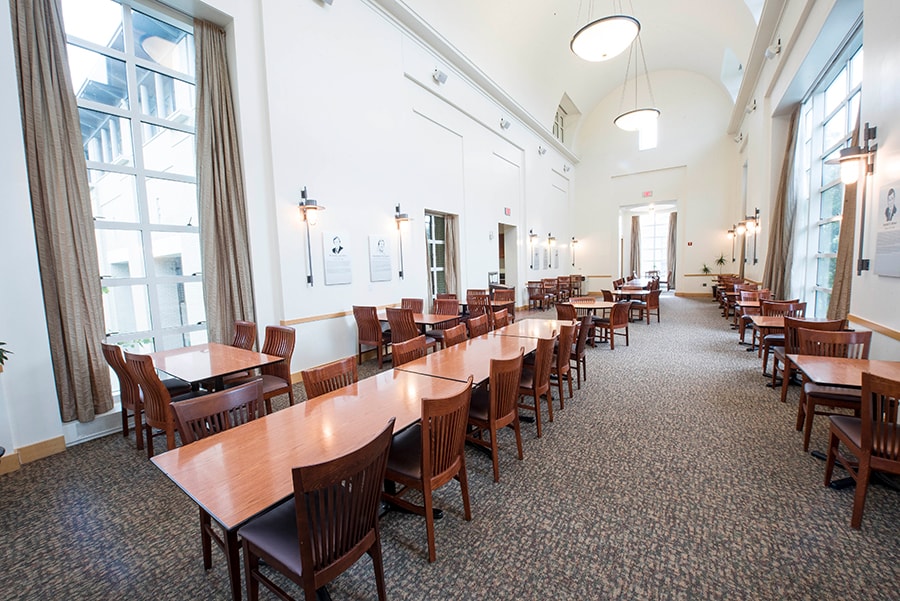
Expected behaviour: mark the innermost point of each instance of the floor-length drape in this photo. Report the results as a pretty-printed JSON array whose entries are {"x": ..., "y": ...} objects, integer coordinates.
[
  {"x": 451, "y": 253},
  {"x": 671, "y": 247},
  {"x": 635, "y": 246},
  {"x": 777, "y": 272},
  {"x": 227, "y": 279},
  {"x": 60, "y": 200},
  {"x": 839, "y": 303}
]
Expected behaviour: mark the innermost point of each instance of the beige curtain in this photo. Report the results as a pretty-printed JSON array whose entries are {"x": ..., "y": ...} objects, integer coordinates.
[
  {"x": 451, "y": 253},
  {"x": 777, "y": 271},
  {"x": 671, "y": 247},
  {"x": 60, "y": 201},
  {"x": 227, "y": 280},
  {"x": 635, "y": 246},
  {"x": 839, "y": 303}
]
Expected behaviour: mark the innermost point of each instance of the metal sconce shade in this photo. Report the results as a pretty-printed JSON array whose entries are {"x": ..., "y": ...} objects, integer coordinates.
[
  {"x": 605, "y": 38},
  {"x": 400, "y": 218},
  {"x": 531, "y": 237},
  {"x": 849, "y": 157},
  {"x": 309, "y": 208},
  {"x": 574, "y": 242}
]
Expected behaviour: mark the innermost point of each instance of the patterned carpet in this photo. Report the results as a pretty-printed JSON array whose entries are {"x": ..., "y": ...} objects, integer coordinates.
[{"x": 674, "y": 473}]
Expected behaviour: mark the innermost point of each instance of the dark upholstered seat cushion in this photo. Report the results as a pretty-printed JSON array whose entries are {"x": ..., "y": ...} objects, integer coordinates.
[
  {"x": 774, "y": 340},
  {"x": 850, "y": 426},
  {"x": 527, "y": 379},
  {"x": 406, "y": 453},
  {"x": 480, "y": 403},
  {"x": 832, "y": 393},
  {"x": 276, "y": 531},
  {"x": 176, "y": 386},
  {"x": 272, "y": 383}
]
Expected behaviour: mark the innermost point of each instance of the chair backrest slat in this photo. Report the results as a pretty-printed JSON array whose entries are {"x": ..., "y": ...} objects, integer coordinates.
[
  {"x": 212, "y": 413},
  {"x": 852, "y": 345},
  {"x": 280, "y": 342},
  {"x": 409, "y": 350},
  {"x": 403, "y": 324},
  {"x": 329, "y": 377},
  {"x": 880, "y": 433}
]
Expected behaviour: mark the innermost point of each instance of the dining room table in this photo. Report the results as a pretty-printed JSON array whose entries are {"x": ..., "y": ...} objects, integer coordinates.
[
  {"x": 424, "y": 320},
  {"x": 241, "y": 472},
  {"x": 209, "y": 362},
  {"x": 592, "y": 306},
  {"x": 471, "y": 357}
]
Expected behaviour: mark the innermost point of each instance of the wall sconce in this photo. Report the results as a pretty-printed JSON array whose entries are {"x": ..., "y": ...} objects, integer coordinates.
[
  {"x": 850, "y": 160},
  {"x": 551, "y": 241},
  {"x": 439, "y": 76},
  {"x": 739, "y": 138},
  {"x": 504, "y": 124},
  {"x": 400, "y": 218},
  {"x": 773, "y": 50},
  {"x": 531, "y": 238},
  {"x": 574, "y": 242},
  {"x": 731, "y": 236},
  {"x": 751, "y": 106},
  {"x": 749, "y": 225},
  {"x": 309, "y": 208},
  {"x": 542, "y": 151}
]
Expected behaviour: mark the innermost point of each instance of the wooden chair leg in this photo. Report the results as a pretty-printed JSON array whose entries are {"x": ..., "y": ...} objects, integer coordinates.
[
  {"x": 429, "y": 523},
  {"x": 832, "y": 456},
  {"x": 494, "y": 455},
  {"x": 464, "y": 489},
  {"x": 859, "y": 499},
  {"x": 378, "y": 565}
]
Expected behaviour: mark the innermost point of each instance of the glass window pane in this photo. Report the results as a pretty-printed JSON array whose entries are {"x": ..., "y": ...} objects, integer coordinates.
[
  {"x": 836, "y": 93},
  {"x": 831, "y": 173},
  {"x": 168, "y": 150},
  {"x": 822, "y": 300},
  {"x": 853, "y": 112},
  {"x": 180, "y": 304},
  {"x": 138, "y": 345},
  {"x": 126, "y": 309},
  {"x": 175, "y": 253},
  {"x": 856, "y": 69},
  {"x": 835, "y": 129},
  {"x": 828, "y": 236},
  {"x": 165, "y": 97},
  {"x": 172, "y": 341},
  {"x": 172, "y": 203},
  {"x": 98, "y": 78},
  {"x": 97, "y": 21},
  {"x": 832, "y": 202},
  {"x": 121, "y": 253},
  {"x": 113, "y": 196},
  {"x": 106, "y": 138},
  {"x": 163, "y": 44},
  {"x": 825, "y": 271}
]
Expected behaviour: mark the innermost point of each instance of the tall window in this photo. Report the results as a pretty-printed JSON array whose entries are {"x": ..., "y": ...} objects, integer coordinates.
[
  {"x": 435, "y": 239},
  {"x": 828, "y": 119},
  {"x": 133, "y": 73},
  {"x": 654, "y": 242},
  {"x": 559, "y": 124}
]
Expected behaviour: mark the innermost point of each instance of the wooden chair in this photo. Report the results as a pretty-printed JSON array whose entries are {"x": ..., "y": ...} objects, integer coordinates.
[
  {"x": 535, "y": 381},
  {"x": 130, "y": 396},
  {"x": 559, "y": 366},
  {"x": 478, "y": 326},
  {"x": 501, "y": 319},
  {"x": 276, "y": 378},
  {"x": 647, "y": 307},
  {"x": 430, "y": 454},
  {"x": 369, "y": 334},
  {"x": 244, "y": 335},
  {"x": 608, "y": 295},
  {"x": 507, "y": 296},
  {"x": 873, "y": 439},
  {"x": 535, "y": 295},
  {"x": 416, "y": 305},
  {"x": 792, "y": 347},
  {"x": 329, "y": 377},
  {"x": 566, "y": 312},
  {"x": 775, "y": 308},
  {"x": 496, "y": 408},
  {"x": 444, "y": 306},
  {"x": 207, "y": 415},
  {"x": 478, "y": 305},
  {"x": 578, "y": 356},
  {"x": 853, "y": 345},
  {"x": 455, "y": 335},
  {"x": 327, "y": 525},
  {"x": 609, "y": 327},
  {"x": 446, "y": 296},
  {"x": 575, "y": 284},
  {"x": 668, "y": 281},
  {"x": 550, "y": 288},
  {"x": 403, "y": 327},
  {"x": 156, "y": 400},
  {"x": 563, "y": 288},
  {"x": 409, "y": 350}
]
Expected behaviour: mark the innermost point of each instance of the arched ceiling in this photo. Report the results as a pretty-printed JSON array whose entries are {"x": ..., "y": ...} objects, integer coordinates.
[{"x": 523, "y": 45}]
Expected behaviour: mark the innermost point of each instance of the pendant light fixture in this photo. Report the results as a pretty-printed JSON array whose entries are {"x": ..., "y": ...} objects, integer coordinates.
[
  {"x": 604, "y": 38},
  {"x": 639, "y": 118}
]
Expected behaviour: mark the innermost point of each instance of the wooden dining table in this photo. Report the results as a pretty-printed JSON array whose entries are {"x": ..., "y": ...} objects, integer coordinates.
[
  {"x": 209, "y": 362},
  {"x": 592, "y": 305},
  {"x": 470, "y": 357},
  {"x": 241, "y": 472},
  {"x": 533, "y": 328},
  {"x": 841, "y": 371}
]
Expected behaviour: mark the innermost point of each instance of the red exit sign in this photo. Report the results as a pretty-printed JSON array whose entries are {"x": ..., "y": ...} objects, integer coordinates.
[
  {"x": 507, "y": 211},
  {"x": 647, "y": 194}
]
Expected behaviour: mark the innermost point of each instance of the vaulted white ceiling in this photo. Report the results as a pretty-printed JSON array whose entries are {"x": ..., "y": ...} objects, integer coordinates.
[{"x": 523, "y": 45}]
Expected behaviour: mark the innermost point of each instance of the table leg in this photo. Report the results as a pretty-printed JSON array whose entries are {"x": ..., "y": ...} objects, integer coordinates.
[{"x": 233, "y": 558}]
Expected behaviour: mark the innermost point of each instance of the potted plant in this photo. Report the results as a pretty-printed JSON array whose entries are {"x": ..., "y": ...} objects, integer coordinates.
[
  {"x": 4, "y": 354},
  {"x": 720, "y": 261},
  {"x": 706, "y": 270}
]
